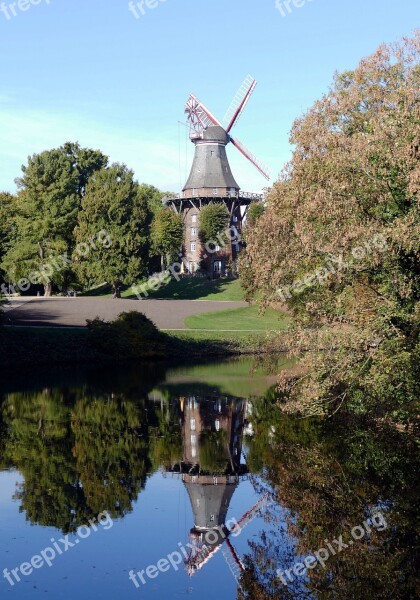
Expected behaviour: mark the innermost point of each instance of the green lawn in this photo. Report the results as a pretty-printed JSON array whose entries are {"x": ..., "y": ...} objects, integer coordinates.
[
  {"x": 184, "y": 289},
  {"x": 240, "y": 320}
]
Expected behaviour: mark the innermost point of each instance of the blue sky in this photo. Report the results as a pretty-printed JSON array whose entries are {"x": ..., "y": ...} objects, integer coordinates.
[{"x": 89, "y": 70}]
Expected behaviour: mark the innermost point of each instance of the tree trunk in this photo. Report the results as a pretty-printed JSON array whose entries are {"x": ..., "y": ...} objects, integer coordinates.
[
  {"x": 117, "y": 292},
  {"x": 48, "y": 289}
]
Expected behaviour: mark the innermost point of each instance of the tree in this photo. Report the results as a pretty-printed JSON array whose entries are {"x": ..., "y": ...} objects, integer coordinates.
[
  {"x": 167, "y": 235},
  {"x": 7, "y": 222},
  {"x": 214, "y": 220},
  {"x": 113, "y": 203},
  {"x": 255, "y": 211},
  {"x": 50, "y": 193},
  {"x": 339, "y": 241},
  {"x": 154, "y": 197}
]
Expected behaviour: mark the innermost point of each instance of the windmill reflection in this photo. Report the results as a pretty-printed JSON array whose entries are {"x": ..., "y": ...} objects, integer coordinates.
[{"x": 211, "y": 469}]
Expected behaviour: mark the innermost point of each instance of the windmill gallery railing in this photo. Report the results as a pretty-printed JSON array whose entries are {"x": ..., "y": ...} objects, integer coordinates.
[{"x": 243, "y": 196}]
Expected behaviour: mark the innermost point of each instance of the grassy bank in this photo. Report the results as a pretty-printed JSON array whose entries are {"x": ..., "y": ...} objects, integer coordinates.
[
  {"x": 225, "y": 333},
  {"x": 184, "y": 289},
  {"x": 32, "y": 347},
  {"x": 247, "y": 319}
]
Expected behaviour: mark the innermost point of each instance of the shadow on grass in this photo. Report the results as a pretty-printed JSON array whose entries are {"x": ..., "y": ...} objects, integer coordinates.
[{"x": 196, "y": 289}]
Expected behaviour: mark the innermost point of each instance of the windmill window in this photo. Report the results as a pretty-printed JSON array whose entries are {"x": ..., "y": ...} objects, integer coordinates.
[
  {"x": 212, "y": 152},
  {"x": 217, "y": 425},
  {"x": 193, "y": 231},
  {"x": 215, "y": 191},
  {"x": 211, "y": 518},
  {"x": 193, "y": 246},
  {"x": 194, "y": 219},
  {"x": 192, "y": 424},
  {"x": 193, "y": 439},
  {"x": 195, "y": 192}
]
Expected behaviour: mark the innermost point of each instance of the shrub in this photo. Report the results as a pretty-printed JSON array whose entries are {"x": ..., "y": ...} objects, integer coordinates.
[{"x": 132, "y": 335}]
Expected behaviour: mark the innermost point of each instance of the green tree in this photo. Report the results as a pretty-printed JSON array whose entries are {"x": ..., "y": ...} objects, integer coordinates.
[
  {"x": 255, "y": 211},
  {"x": 50, "y": 192},
  {"x": 167, "y": 235},
  {"x": 153, "y": 196},
  {"x": 214, "y": 220},
  {"x": 7, "y": 223},
  {"x": 114, "y": 203}
]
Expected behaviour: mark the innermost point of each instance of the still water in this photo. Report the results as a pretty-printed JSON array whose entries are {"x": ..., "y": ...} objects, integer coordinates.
[{"x": 167, "y": 482}]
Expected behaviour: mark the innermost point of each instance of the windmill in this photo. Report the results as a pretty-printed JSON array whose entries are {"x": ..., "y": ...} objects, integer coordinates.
[
  {"x": 201, "y": 120},
  {"x": 211, "y": 180}
]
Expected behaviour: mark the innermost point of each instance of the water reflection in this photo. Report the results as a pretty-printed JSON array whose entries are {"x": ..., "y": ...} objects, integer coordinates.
[
  {"x": 212, "y": 431},
  {"x": 93, "y": 447}
]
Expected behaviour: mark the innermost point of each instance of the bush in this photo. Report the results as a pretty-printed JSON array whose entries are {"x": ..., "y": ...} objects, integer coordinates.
[{"x": 132, "y": 335}]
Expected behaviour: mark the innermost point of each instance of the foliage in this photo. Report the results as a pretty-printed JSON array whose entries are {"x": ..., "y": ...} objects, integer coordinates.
[
  {"x": 214, "y": 451},
  {"x": 326, "y": 479},
  {"x": 79, "y": 456},
  {"x": 114, "y": 203},
  {"x": 255, "y": 211},
  {"x": 50, "y": 191},
  {"x": 353, "y": 180},
  {"x": 153, "y": 197},
  {"x": 131, "y": 336},
  {"x": 7, "y": 223},
  {"x": 167, "y": 235},
  {"x": 214, "y": 219}
]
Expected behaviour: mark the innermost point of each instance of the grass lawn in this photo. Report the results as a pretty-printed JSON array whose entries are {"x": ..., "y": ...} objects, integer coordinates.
[
  {"x": 184, "y": 289},
  {"x": 239, "y": 320}
]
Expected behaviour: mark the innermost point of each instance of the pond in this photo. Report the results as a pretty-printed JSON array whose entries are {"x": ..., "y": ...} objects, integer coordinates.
[{"x": 164, "y": 481}]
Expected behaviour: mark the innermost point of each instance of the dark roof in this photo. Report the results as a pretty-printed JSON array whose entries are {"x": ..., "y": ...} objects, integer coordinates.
[
  {"x": 210, "y": 500},
  {"x": 210, "y": 168}
]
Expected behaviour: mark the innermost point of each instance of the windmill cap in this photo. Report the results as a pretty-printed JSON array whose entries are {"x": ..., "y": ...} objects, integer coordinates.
[{"x": 215, "y": 134}]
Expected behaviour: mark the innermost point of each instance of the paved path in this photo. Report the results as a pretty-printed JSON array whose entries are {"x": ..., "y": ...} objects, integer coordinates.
[{"x": 73, "y": 312}]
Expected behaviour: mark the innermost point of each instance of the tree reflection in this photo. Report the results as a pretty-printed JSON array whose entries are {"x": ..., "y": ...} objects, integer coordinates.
[
  {"x": 79, "y": 455},
  {"x": 326, "y": 480},
  {"x": 111, "y": 452}
]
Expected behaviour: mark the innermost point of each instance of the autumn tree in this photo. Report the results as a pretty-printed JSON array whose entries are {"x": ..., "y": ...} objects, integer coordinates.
[
  {"x": 339, "y": 241},
  {"x": 113, "y": 203}
]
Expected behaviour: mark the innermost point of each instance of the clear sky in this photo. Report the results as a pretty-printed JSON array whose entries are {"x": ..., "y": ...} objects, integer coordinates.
[{"x": 89, "y": 70}]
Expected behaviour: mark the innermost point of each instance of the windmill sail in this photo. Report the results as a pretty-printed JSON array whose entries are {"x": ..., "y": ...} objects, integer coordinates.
[
  {"x": 251, "y": 157},
  {"x": 239, "y": 102}
]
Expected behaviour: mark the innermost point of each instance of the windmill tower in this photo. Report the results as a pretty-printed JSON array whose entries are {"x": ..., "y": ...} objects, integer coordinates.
[{"x": 211, "y": 181}]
